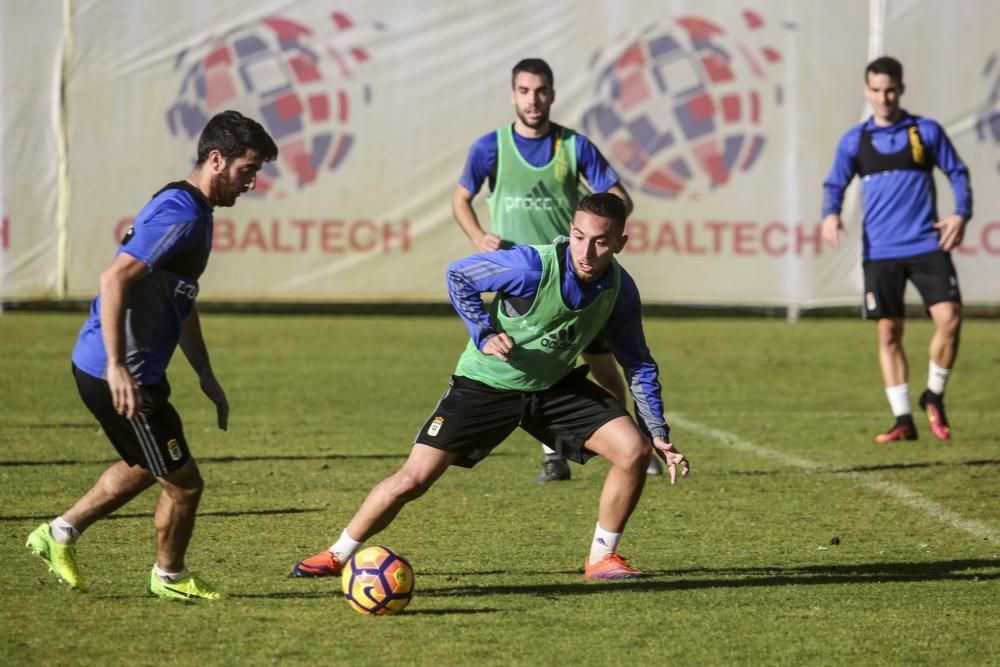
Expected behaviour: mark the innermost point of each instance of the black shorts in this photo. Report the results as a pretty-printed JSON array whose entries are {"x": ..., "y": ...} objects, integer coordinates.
[
  {"x": 932, "y": 273},
  {"x": 153, "y": 438},
  {"x": 472, "y": 418}
]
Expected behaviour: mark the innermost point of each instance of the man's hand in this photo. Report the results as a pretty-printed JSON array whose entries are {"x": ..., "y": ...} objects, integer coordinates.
[
  {"x": 124, "y": 390},
  {"x": 488, "y": 242},
  {"x": 500, "y": 346},
  {"x": 950, "y": 230},
  {"x": 673, "y": 458},
  {"x": 830, "y": 229},
  {"x": 214, "y": 391}
]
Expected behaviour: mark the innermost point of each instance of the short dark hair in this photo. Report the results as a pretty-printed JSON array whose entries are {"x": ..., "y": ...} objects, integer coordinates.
[
  {"x": 533, "y": 66},
  {"x": 885, "y": 65},
  {"x": 606, "y": 205},
  {"x": 231, "y": 133}
]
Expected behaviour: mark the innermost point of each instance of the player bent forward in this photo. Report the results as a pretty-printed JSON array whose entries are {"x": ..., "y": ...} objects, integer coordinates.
[
  {"x": 144, "y": 311},
  {"x": 518, "y": 370}
]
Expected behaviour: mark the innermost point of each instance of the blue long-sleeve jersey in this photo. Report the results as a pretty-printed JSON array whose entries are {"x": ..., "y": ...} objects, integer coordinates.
[
  {"x": 899, "y": 206},
  {"x": 517, "y": 273},
  {"x": 537, "y": 151}
]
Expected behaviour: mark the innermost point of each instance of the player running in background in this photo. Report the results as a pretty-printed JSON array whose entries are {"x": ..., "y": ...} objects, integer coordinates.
[
  {"x": 145, "y": 309},
  {"x": 518, "y": 370},
  {"x": 895, "y": 153},
  {"x": 533, "y": 168}
]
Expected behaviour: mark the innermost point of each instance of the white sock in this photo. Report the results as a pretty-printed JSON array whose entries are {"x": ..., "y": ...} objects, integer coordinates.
[
  {"x": 604, "y": 544},
  {"x": 548, "y": 451},
  {"x": 62, "y": 532},
  {"x": 899, "y": 399},
  {"x": 937, "y": 378},
  {"x": 345, "y": 547},
  {"x": 169, "y": 577}
]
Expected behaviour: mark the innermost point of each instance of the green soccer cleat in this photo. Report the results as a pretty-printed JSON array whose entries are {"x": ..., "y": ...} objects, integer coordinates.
[
  {"x": 189, "y": 589},
  {"x": 61, "y": 558}
]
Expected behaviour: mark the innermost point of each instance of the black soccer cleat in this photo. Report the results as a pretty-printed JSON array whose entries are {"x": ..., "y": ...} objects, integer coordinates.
[{"x": 554, "y": 469}]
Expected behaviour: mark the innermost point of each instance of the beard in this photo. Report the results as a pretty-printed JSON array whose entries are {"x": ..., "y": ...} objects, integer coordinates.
[
  {"x": 225, "y": 190},
  {"x": 542, "y": 119}
]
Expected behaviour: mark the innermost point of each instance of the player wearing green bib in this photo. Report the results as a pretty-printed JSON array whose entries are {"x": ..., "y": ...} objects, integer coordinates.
[
  {"x": 519, "y": 371},
  {"x": 550, "y": 334},
  {"x": 536, "y": 171}
]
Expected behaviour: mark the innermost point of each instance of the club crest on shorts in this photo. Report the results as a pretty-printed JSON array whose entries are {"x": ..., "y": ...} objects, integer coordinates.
[
  {"x": 174, "y": 450},
  {"x": 435, "y": 426},
  {"x": 870, "y": 300}
]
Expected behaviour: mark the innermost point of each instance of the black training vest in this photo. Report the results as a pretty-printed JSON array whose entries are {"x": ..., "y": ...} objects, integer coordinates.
[
  {"x": 191, "y": 263},
  {"x": 913, "y": 156}
]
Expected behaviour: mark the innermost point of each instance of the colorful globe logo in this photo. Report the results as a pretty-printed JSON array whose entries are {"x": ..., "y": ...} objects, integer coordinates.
[
  {"x": 679, "y": 107},
  {"x": 302, "y": 87},
  {"x": 988, "y": 120}
]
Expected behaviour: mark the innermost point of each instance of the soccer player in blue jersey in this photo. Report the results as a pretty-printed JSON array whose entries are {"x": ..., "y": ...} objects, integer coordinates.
[
  {"x": 534, "y": 170},
  {"x": 144, "y": 310},
  {"x": 894, "y": 153},
  {"x": 518, "y": 370}
]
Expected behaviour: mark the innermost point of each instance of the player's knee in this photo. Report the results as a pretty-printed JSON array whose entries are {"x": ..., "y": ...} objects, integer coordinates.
[
  {"x": 634, "y": 455},
  {"x": 407, "y": 486},
  {"x": 188, "y": 495},
  {"x": 950, "y": 323},
  {"x": 890, "y": 336},
  {"x": 185, "y": 485}
]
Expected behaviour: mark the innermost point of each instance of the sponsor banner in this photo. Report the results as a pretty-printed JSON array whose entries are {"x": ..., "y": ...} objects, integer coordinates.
[
  {"x": 31, "y": 50},
  {"x": 720, "y": 117}
]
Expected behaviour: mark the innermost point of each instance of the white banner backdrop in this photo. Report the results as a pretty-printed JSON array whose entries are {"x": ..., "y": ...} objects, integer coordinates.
[
  {"x": 721, "y": 118},
  {"x": 31, "y": 59},
  {"x": 950, "y": 54}
]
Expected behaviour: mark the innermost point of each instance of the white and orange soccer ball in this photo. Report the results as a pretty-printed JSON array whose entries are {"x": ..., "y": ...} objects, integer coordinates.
[{"x": 377, "y": 581}]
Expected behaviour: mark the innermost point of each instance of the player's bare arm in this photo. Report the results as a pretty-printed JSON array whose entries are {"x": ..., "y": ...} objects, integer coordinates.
[
  {"x": 673, "y": 458},
  {"x": 830, "y": 229},
  {"x": 465, "y": 216},
  {"x": 192, "y": 343},
  {"x": 115, "y": 282},
  {"x": 951, "y": 230}
]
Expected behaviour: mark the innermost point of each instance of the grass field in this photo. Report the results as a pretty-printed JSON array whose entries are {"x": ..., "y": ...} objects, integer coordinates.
[{"x": 796, "y": 540}]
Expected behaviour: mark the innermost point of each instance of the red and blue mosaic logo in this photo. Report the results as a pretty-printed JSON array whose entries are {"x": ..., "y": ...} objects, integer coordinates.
[
  {"x": 679, "y": 107},
  {"x": 988, "y": 120},
  {"x": 301, "y": 83}
]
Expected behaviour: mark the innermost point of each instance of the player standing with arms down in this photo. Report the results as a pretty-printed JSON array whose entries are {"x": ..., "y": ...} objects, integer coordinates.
[
  {"x": 895, "y": 153},
  {"x": 518, "y": 370},
  {"x": 145, "y": 309},
  {"x": 533, "y": 168}
]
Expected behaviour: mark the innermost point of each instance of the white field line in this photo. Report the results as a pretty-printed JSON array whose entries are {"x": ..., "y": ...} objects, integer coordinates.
[{"x": 898, "y": 492}]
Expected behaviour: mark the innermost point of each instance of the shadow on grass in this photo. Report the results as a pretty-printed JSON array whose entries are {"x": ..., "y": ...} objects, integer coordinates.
[
  {"x": 310, "y": 595},
  {"x": 932, "y": 464},
  {"x": 149, "y": 515},
  {"x": 397, "y": 456},
  {"x": 700, "y": 578},
  {"x": 51, "y": 425}
]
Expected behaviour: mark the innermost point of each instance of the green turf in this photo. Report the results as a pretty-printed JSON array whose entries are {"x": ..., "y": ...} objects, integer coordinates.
[{"x": 793, "y": 541}]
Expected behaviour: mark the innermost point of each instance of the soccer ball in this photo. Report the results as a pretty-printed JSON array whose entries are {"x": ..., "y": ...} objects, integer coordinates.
[{"x": 377, "y": 581}]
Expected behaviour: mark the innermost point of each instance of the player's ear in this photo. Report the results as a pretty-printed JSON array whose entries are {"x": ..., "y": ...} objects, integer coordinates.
[
  {"x": 622, "y": 240},
  {"x": 217, "y": 161}
]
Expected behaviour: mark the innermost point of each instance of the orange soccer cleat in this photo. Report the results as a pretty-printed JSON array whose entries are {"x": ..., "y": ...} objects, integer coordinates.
[
  {"x": 610, "y": 567},
  {"x": 933, "y": 405},
  {"x": 903, "y": 429},
  {"x": 323, "y": 564}
]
